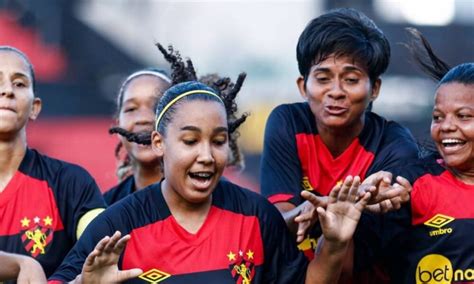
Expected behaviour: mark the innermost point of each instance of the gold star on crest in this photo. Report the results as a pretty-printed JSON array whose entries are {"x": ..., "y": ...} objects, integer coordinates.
[
  {"x": 249, "y": 254},
  {"x": 231, "y": 256},
  {"x": 48, "y": 221},
  {"x": 25, "y": 222}
]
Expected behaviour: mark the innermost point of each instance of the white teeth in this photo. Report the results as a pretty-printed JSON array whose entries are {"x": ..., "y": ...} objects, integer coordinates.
[
  {"x": 203, "y": 175},
  {"x": 451, "y": 141}
]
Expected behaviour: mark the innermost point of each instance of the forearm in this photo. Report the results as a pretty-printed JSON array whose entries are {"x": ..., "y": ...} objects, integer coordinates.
[
  {"x": 10, "y": 265},
  {"x": 327, "y": 266},
  {"x": 289, "y": 213}
]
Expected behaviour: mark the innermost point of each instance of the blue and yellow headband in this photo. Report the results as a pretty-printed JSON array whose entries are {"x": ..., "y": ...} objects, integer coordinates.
[{"x": 173, "y": 101}]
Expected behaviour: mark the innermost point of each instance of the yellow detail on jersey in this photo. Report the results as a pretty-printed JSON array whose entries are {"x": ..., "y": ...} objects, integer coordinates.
[
  {"x": 306, "y": 184},
  {"x": 39, "y": 238},
  {"x": 154, "y": 276},
  {"x": 48, "y": 221},
  {"x": 243, "y": 271},
  {"x": 25, "y": 222},
  {"x": 231, "y": 256},
  {"x": 86, "y": 219}
]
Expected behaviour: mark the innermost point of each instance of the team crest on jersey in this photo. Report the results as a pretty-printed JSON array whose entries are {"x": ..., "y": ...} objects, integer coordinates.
[
  {"x": 36, "y": 234},
  {"x": 439, "y": 221},
  {"x": 242, "y": 266}
]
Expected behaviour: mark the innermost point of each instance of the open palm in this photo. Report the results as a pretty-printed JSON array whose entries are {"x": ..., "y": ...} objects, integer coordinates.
[
  {"x": 101, "y": 264},
  {"x": 339, "y": 219}
]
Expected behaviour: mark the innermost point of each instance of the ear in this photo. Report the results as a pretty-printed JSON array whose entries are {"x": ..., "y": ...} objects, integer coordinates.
[
  {"x": 301, "y": 87},
  {"x": 157, "y": 144},
  {"x": 35, "y": 108},
  {"x": 375, "y": 89}
]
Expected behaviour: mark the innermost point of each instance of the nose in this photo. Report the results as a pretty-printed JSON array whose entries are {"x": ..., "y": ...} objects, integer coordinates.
[
  {"x": 146, "y": 117},
  {"x": 448, "y": 124},
  {"x": 205, "y": 154},
  {"x": 336, "y": 92},
  {"x": 6, "y": 90}
]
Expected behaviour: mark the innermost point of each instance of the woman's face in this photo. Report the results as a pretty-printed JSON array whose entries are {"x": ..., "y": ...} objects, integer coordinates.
[
  {"x": 338, "y": 91},
  {"x": 137, "y": 114},
  {"x": 452, "y": 126},
  {"x": 17, "y": 101},
  {"x": 194, "y": 149}
]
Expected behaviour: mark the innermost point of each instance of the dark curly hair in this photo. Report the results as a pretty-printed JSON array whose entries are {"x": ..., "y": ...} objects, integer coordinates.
[{"x": 184, "y": 79}]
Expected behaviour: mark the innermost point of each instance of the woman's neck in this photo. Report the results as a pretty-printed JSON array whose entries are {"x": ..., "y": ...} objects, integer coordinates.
[
  {"x": 11, "y": 155},
  {"x": 145, "y": 175},
  {"x": 466, "y": 176},
  {"x": 190, "y": 216},
  {"x": 338, "y": 140}
]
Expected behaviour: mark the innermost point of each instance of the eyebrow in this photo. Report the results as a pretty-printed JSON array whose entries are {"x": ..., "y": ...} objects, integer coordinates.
[
  {"x": 197, "y": 129},
  {"x": 345, "y": 69}
]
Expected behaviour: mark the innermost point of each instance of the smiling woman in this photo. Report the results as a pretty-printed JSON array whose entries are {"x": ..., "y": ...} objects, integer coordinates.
[{"x": 432, "y": 239}]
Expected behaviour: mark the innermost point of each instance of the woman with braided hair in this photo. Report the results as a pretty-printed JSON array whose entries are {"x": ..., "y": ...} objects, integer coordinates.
[
  {"x": 194, "y": 226},
  {"x": 139, "y": 166}
]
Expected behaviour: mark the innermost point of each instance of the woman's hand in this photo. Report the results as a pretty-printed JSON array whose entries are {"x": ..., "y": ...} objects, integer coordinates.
[{"x": 101, "y": 264}]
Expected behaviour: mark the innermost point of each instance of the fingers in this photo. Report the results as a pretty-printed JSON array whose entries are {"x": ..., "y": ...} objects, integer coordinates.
[
  {"x": 362, "y": 203},
  {"x": 353, "y": 191},
  {"x": 121, "y": 244},
  {"x": 125, "y": 275},
  {"x": 110, "y": 245},
  {"x": 99, "y": 248},
  {"x": 314, "y": 199},
  {"x": 301, "y": 232},
  {"x": 404, "y": 182},
  {"x": 343, "y": 190}
]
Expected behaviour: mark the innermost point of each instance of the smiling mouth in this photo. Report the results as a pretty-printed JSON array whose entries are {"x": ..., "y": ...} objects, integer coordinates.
[{"x": 452, "y": 143}]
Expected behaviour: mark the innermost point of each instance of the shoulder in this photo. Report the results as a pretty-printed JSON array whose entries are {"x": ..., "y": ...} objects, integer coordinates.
[
  {"x": 235, "y": 198},
  {"x": 121, "y": 190},
  {"x": 295, "y": 117},
  {"x": 391, "y": 129},
  {"x": 293, "y": 110},
  {"x": 46, "y": 168}
]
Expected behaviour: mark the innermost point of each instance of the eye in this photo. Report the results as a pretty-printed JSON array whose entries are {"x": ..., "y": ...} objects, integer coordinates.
[
  {"x": 19, "y": 84},
  {"x": 352, "y": 80},
  {"x": 436, "y": 117},
  {"x": 189, "y": 142},
  {"x": 322, "y": 79},
  {"x": 129, "y": 109},
  {"x": 220, "y": 142},
  {"x": 464, "y": 116}
]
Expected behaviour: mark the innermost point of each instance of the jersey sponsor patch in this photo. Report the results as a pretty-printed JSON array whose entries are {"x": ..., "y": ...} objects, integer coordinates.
[
  {"x": 154, "y": 276},
  {"x": 436, "y": 268},
  {"x": 439, "y": 221}
]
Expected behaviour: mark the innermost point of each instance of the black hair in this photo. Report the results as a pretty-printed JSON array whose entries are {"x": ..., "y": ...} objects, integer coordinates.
[
  {"x": 343, "y": 32},
  {"x": 30, "y": 66},
  {"x": 124, "y": 161},
  {"x": 184, "y": 79},
  {"x": 434, "y": 66}
]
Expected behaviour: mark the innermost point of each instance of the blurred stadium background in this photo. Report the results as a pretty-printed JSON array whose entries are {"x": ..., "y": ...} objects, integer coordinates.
[{"x": 83, "y": 49}]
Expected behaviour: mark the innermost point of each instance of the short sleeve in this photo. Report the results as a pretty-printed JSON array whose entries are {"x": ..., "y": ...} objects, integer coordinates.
[
  {"x": 280, "y": 166},
  {"x": 77, "y": 193},
  {"x": 284, "y": 263},
  {"x": 72, "y": 264}
]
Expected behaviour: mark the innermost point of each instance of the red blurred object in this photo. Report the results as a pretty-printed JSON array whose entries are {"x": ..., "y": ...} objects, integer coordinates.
[
  {"x": 82, "y": 141},
  {"x": 49, "y": 61}
]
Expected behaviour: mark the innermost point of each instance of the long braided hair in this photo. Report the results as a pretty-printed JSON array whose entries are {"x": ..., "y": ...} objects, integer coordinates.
[{"x": 183, "y": 71}]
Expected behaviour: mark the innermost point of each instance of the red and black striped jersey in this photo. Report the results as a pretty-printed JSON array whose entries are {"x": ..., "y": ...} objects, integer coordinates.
[
  {"x": 295, "y": 158},
  {"x": 431, "y": 241},
  {"x": 243, "y": 240},
  {"x": 41, "y": 207}
]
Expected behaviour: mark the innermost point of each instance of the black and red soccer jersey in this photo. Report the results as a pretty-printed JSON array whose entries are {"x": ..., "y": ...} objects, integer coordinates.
[
  {"x": 295, "y": 158},
  {"x": 432, "y": 240},
  {"x": 243, "y": 240},
  {"x": 121, "y": 190},
  {"x": 40, "y": 208}
]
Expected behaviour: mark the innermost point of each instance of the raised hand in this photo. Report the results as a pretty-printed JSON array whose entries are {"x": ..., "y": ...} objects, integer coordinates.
[
  {"x": 339, "y": 219},
  {"x": 384, "y": 196},
  {"x": 308, "y": 214},
  {"x": 101, "y": 264}
]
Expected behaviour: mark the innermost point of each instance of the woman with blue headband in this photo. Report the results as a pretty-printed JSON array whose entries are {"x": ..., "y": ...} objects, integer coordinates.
[{"x": 194, "y": 227}]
